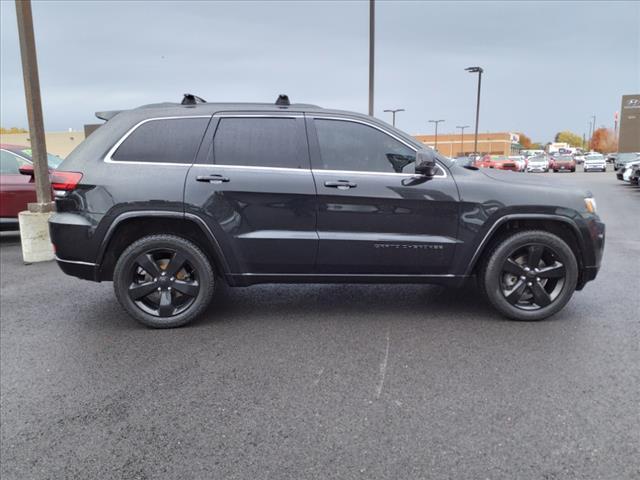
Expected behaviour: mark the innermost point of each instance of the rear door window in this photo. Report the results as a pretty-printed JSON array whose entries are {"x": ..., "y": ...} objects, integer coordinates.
[
  {"x": 168, "y": 140},
  {"x": 260, "y": 142}
]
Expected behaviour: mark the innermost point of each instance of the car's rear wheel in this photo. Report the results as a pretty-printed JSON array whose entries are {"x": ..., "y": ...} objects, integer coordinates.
[
  {"x": 163, "y": 281},
  {"x": 530, "y": 275}
]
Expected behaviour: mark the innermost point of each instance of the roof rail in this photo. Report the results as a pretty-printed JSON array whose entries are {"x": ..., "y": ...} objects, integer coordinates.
[{"x": 191, "y": 99}]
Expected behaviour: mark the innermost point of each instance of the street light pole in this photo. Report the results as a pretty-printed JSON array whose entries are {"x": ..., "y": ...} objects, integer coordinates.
[
  {"x": 479, "y": 71},
  {"x": 372, "y": 26},
  {"x": 34, "y": 108},
  {"x": 462, "y": 127},
  {"x": 436, "y": 123},
  {"x": 393, "y": 113}
]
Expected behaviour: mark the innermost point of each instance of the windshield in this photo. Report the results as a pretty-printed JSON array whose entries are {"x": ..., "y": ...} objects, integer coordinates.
[
  {"x": 537, "y": 159},
  {"x": 565, "y": 158},
  {"x": 595, "y": 157},
  {"x": 627, "y": 157}
]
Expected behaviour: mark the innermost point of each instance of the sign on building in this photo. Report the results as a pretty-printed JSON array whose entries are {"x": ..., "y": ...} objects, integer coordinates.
[{"x": 629, "y": 140}]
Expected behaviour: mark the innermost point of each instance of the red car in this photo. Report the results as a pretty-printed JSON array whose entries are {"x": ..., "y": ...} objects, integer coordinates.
[
  {"x": 564, "y": 163},
  {"x": 17, "y": 189},
  {"x": 499, "y": 162}
]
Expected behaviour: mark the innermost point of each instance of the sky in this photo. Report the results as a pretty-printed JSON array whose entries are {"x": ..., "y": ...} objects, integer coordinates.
[{"x": 548, "y": 66}]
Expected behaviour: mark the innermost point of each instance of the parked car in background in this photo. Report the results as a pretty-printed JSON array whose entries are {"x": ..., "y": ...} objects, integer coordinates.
[
  {"x": 579, "y": 158},
  {"x": 520, "y": 162},
  {"x": 16, "y": 182},
  {"x": 483, "y": 162},
  {"x": 502, "y": 162},
  {"x": 563, "y": 163},
  {"x": 611, "y": 157},
  {"x": 635, "y": 175},
  {"x": 628, "y": 170},
  {"x": 286, "y": 193},
  {"x": 538, "y": 164},
  {"x": 622, "y": 160},
  {"x": 594, "y": 162}
]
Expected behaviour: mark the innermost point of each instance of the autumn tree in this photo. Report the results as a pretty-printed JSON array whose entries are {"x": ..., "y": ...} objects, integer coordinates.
[
  {"x": 569, "y": 137},
  {"x": 604, "y": 140},
  {"x": 524, "y": 141}
]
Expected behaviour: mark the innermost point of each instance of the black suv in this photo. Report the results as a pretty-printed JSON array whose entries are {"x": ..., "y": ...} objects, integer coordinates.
[{"x": 166, "y": 200}]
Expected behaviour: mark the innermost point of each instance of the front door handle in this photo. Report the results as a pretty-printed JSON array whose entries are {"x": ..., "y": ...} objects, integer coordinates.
[
  {"x": 214, "y": 178},
  {"x": 341, "y": 184}
]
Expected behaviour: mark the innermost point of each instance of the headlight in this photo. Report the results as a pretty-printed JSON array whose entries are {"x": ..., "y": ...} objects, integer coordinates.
[{"x": 590, "y": 203}]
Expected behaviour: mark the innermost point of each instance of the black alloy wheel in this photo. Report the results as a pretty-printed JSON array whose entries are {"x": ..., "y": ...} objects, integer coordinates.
[
  {"x": 529, "y": 275},
  {"x": 163, "y": 281},
  {"x": 532, "y": 277}
]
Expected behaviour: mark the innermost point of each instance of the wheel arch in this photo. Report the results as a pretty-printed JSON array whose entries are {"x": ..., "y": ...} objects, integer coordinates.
[
  {"x": 563, "y": 227},
  {"x": 131, "y": 226}
]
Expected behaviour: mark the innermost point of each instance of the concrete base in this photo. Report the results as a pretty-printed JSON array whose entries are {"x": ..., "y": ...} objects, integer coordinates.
[{"x": 34, "y": 235}]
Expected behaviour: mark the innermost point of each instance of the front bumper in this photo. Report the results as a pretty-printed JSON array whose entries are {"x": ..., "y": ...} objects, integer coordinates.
[{"x": 596, "y": 238}]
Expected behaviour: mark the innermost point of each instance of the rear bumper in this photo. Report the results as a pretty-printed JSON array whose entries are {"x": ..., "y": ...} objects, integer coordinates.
[
  {"x": 72, "y": 238},
  {"x": 84, "y": 270}
]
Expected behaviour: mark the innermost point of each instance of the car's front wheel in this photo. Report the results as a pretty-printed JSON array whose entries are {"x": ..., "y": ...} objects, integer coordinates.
[
  {"x": 163, "y": 281},
  {"x": 530, "y": 275}
]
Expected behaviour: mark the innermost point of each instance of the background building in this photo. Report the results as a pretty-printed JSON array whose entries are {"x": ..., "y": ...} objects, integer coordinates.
[
  {"x": 454, "y": 145},
  {"x": 58, "y": 143}
]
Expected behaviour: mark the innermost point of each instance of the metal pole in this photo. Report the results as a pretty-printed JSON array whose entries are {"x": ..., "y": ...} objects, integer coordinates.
[
  {"x": 372, "y": 26},
  {"x": 462, "y": 127},
  {"x": 34, "y": 107},
  {"x": 475, "y": 142},
  {"x": 393, "y": 114},
  {"x": 436, "y": 122}
]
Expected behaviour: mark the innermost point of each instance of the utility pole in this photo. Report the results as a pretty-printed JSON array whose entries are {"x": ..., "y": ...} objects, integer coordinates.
[
  {"x": 34, "y": 226},
  {"x": 34, "y": 107},
  {"x": 479, "y": 71},
  {"x": 462, "y": 127},
  {"x": 372, "y": 38},
  {"x": 436, "y": 123},
  {"x": 393, "y": 113}
]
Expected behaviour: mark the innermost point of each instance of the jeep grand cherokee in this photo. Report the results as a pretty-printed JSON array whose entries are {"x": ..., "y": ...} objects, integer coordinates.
[{"x": 167, "y": 200}]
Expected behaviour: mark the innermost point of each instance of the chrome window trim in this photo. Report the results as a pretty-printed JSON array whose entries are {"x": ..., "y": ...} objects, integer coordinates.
[
  {"x": 357, "y": 172},
  {"x": 251, "y": 167},
  {"x": 377, "y": 127},
  {"x": 256, "y": 115},
  {"x": 112, "y": 150}
]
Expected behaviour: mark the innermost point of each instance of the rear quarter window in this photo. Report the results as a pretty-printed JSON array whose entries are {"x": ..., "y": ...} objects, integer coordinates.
[{"x": 171, "y": 140}]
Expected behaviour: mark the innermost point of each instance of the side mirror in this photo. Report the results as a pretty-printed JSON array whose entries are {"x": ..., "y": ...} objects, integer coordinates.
[
  {"x": 426, "y": 162},
  {"x": 26, "y": 170}
]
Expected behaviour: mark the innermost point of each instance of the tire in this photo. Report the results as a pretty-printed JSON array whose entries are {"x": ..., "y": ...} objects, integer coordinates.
[
  {"x": 163, "y": 281},
  {"x": 573, "y": 170},
  {"x": 497, "y": 284}
]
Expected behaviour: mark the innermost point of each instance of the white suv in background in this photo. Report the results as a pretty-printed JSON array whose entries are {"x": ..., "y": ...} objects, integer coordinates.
[
  {"x": 595, "y": 161},
  {"x": 538, "y": 164}
]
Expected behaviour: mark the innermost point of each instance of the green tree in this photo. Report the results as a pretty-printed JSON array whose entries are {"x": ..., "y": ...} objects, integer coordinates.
[{"x": 569, "y": 137}]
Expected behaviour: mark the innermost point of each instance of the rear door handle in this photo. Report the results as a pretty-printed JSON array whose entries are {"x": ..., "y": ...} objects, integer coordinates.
[
  {"x": 214, "y": 178},
  {"x": 341, "y": 184}
]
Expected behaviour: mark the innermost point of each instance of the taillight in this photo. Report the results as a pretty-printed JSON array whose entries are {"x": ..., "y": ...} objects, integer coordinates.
[{"x": 65, "y": 181}]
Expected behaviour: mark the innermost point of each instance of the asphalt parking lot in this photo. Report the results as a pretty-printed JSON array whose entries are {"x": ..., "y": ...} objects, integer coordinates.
[{"x": 323, "y": 381}]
